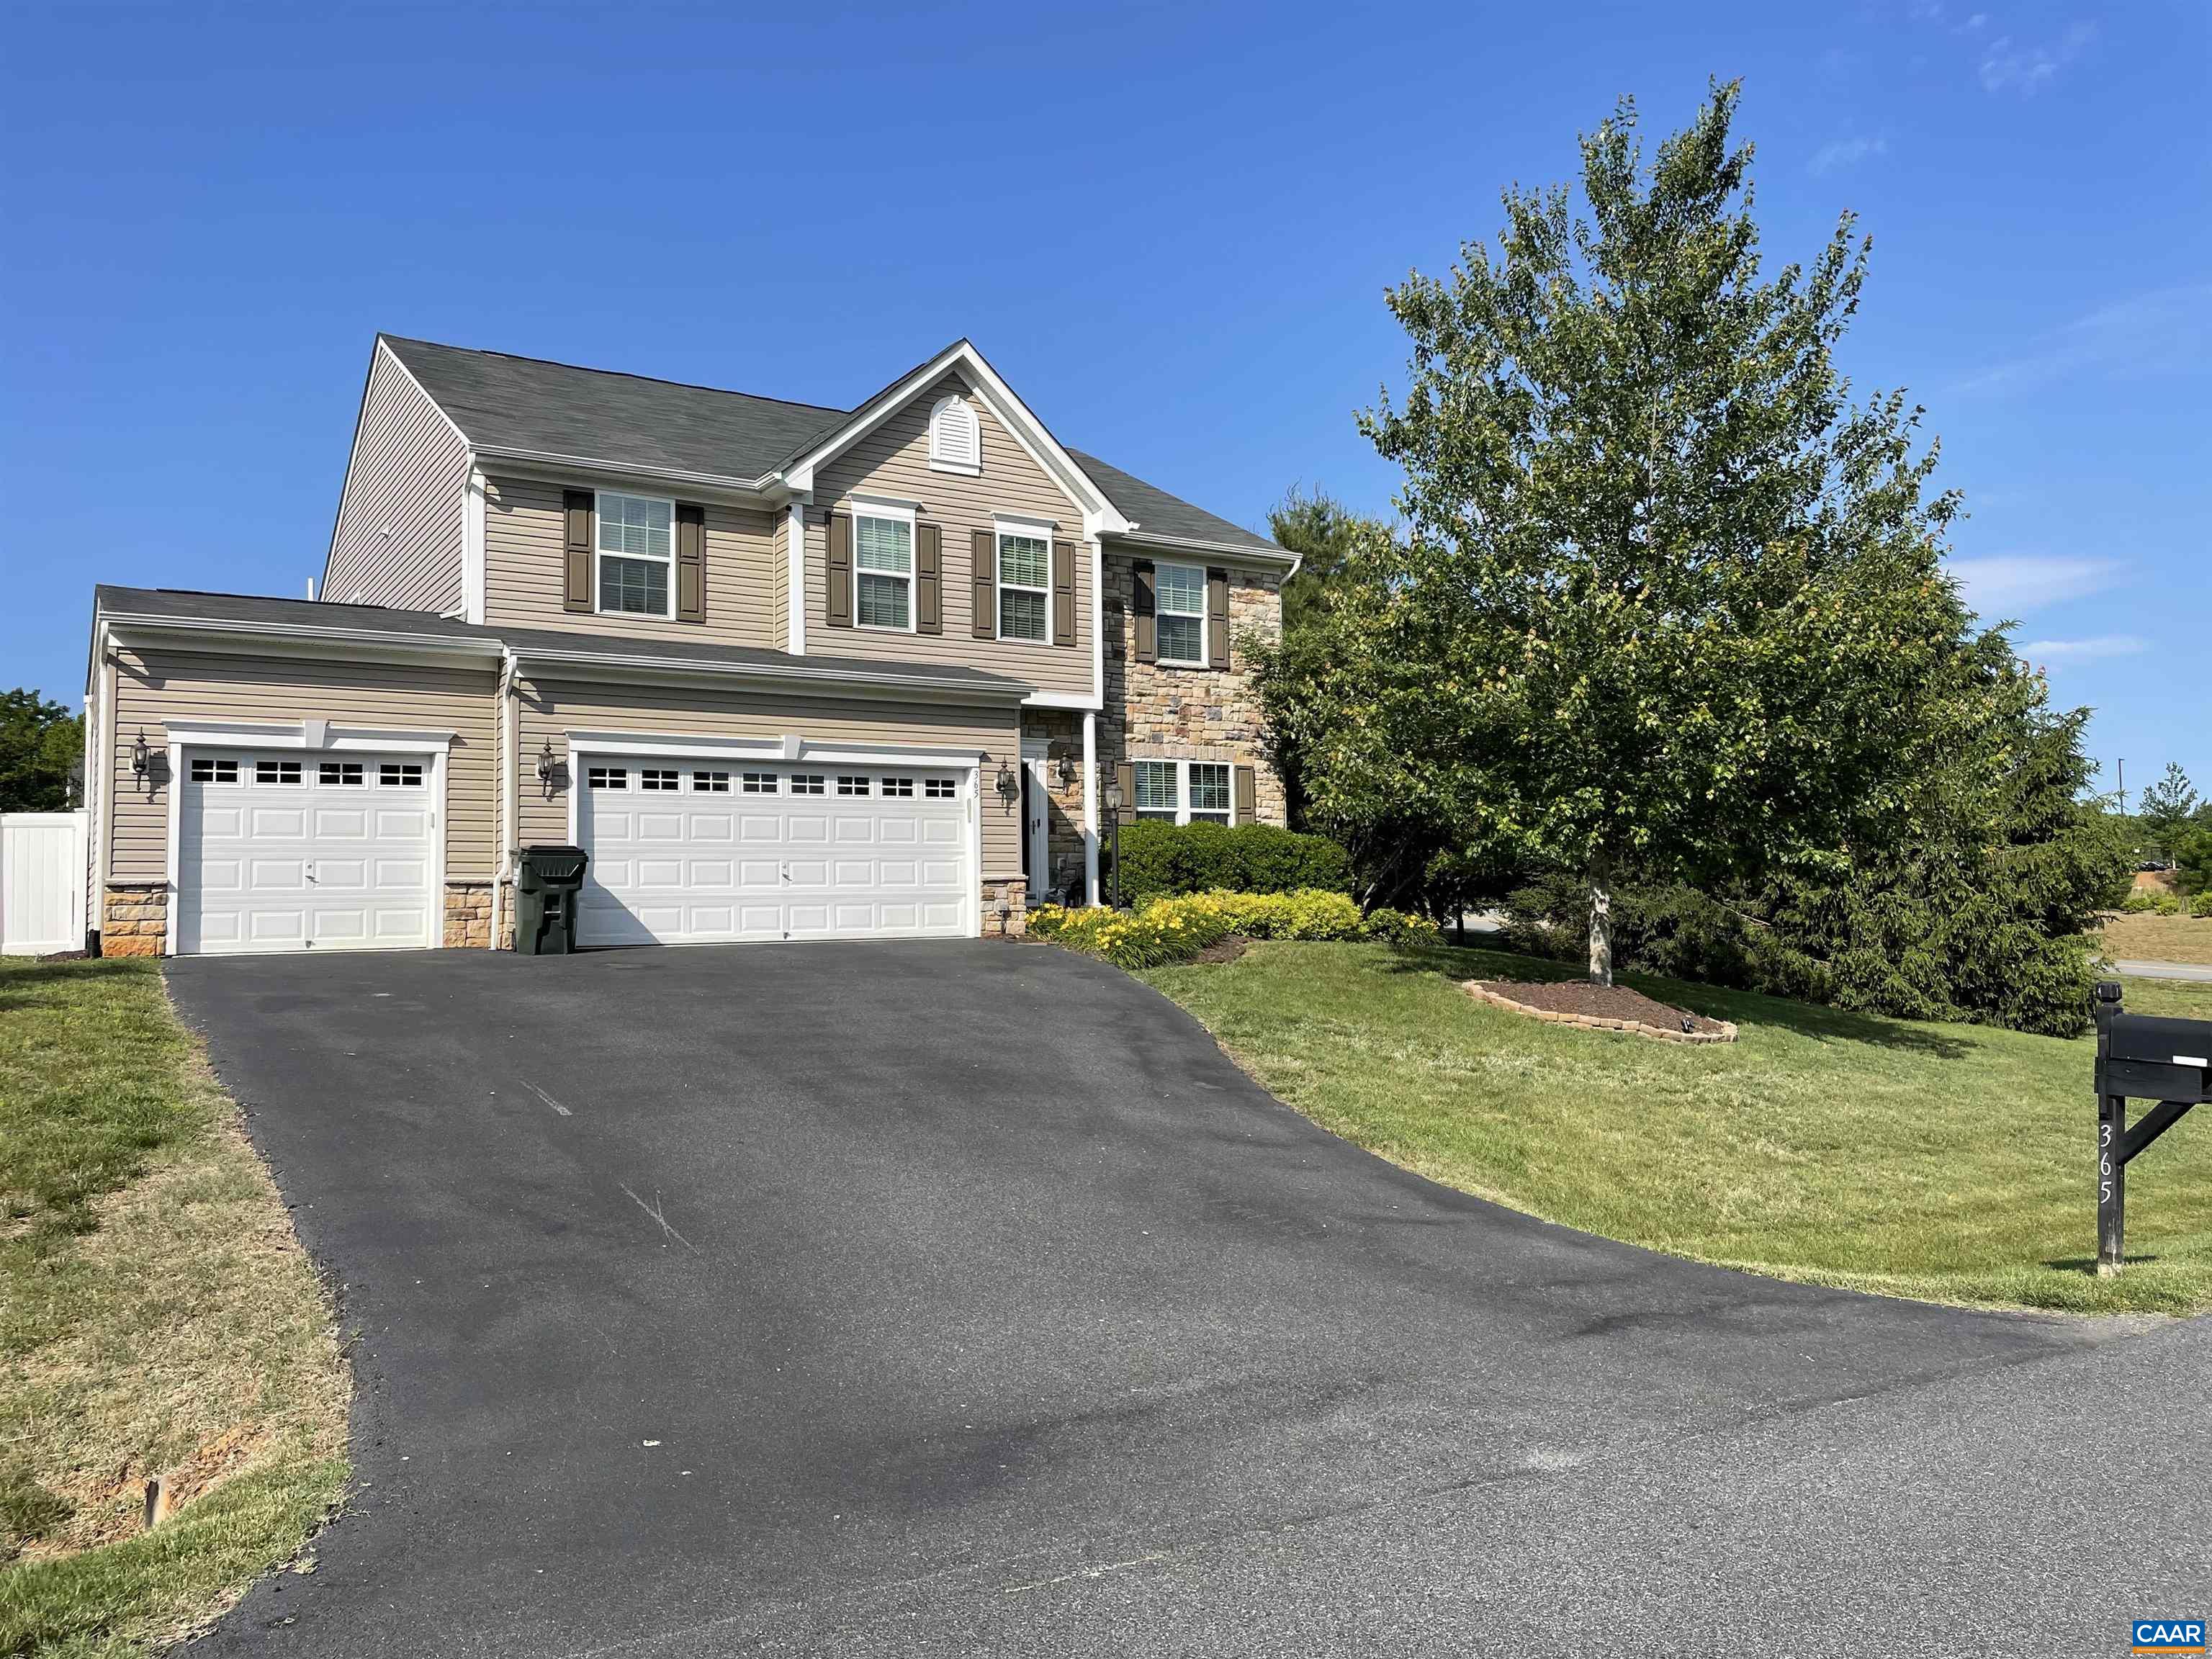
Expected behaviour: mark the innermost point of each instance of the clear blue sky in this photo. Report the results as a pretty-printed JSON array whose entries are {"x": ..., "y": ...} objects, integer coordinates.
[{"x": 1171, "y": 228}]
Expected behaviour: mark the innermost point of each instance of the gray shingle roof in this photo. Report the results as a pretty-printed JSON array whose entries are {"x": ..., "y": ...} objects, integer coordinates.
[
  {"x": 181, "y": 604},
  {"x": 556, "y": 408},
  {"x": 524, "y": 402},
  {"x": 1156, "y": 512}
]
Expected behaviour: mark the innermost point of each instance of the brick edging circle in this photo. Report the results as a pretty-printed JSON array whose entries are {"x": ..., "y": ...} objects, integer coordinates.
[{"x": 1476, "y": 988}]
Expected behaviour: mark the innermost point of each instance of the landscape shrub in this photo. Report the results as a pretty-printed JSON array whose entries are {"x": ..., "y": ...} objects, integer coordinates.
[
  {"x": 1159, "y": 859},
  {"x": 1396, "y": 927},
  {"x": 1175, "y": 929},
  {"x": 2138, "y": 903}
]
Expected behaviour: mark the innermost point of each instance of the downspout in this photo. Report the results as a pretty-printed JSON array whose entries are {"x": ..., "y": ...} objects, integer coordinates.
[{"x": 507, "y": 805}]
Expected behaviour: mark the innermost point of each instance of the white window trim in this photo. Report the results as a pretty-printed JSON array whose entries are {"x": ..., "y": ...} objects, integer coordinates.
[
  {"x": 898, "y": 513},
  {"x": 940, "y": 464},
  {"x": 1182, "y": 789},
  {"x": 1159, "y": 610},
  {"x": 1003, "y": 525},
  {"x": 598, "y": 515}
]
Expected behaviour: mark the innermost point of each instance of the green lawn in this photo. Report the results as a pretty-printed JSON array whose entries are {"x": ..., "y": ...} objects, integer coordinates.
[
  {"x": 1947, "y": 1162},
  {"x": 157, "y": 1317}
]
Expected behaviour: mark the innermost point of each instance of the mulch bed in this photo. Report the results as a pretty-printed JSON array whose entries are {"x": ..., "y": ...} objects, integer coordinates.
[
  {"x": 1224, "y": 950},
  {"x": 1601, "y": 1007}
]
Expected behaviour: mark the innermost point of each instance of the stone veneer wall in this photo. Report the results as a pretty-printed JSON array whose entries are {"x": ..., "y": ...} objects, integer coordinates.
[
  {"x": 134, "y": 919},
  {"x": 468, "y": 915},
  {"x": 1156, "y": 712},
  {"x": 1016, "y": 922}
]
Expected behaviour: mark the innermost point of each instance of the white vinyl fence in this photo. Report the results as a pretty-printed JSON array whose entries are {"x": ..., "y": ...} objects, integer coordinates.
[{"x": 41, "y": 882}]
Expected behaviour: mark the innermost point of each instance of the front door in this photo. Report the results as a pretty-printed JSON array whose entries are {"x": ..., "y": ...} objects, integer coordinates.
[{"x": 1036, "y": 830}]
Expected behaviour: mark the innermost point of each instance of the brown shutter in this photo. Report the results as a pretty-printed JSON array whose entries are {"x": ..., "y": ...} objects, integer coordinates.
[
  {"x": 1216, "y": 619},
  {"x": 576, "y": 563},
  {"x": 1063, "y": 592},
  {"x": 928, "y": 579},
  {"x": 1148, "y": 649},
  {"x": 985, "y": 601},
  {"x": 840, "y": 583},
  {"x": 691, "y": 562},
  {"x": 1126, "y": 776},
  {"x": 1242, "y": 781}
]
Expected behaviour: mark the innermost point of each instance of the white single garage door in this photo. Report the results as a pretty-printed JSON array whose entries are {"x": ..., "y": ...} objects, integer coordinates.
[
  {"x": 305, "y": 850},
  {"x": 698, "y": 852}
]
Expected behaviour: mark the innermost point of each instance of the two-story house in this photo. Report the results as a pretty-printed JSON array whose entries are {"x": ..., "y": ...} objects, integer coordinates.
[{"x": 784, "y": 671}]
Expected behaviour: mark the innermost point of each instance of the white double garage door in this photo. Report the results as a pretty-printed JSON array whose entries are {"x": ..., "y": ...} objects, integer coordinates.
[{"x": 693, "y": 851}]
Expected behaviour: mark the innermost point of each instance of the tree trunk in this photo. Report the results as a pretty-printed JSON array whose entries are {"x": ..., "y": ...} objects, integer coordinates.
[{"x": 1601, "y": 936}]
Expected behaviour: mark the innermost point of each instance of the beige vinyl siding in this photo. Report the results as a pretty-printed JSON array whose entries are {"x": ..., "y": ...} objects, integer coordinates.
[
  {"x": 551, "y": 708},
  {"x": 408, "y": 475},
  {"x": 523, "y": 573},
  {"x": 893, "y": 461},
  {"x": 155, "y": 687}
]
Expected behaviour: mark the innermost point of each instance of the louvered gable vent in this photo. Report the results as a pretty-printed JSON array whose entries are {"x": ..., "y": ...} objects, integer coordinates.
[{"x": 956, "y": 440}]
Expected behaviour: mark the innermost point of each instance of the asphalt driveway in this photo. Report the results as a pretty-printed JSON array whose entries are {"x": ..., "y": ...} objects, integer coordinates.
[{"x": 963, "y": 1297}]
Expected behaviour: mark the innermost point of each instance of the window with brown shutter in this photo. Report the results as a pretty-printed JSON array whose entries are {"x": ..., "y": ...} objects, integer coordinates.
[
  {"x": 691, "y": 562},
  {"x": 928, "y": 579},
  {"x": 1063, "y": 592},
  {"x": 839, "y": 583},
  {"x": 1147, "y": 627},
  {"x": 983, "y": 547},
  {"x": 576, "y": 550},
  {"x": 1216, "y": 619}
]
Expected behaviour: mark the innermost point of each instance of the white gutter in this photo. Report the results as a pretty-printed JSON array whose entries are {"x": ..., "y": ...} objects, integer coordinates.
[
  {"x": 489, "y": 648},
  {"x": 1273, "y": 557},
  {"x": 797, "y": 671},
  {"x": 762, "y": 485}
]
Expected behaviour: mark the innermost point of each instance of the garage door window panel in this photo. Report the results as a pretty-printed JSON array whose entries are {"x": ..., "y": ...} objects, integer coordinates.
[
  {"x": 277, "y": 772},
  {"x": 206, "y": 770}
]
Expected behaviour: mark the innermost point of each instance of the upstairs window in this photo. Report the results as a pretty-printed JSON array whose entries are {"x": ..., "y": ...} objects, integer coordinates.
[
  {"x": 636, "y": 543},
  {"x": 1024, "y": 585},
  {"x": 1180, "y": 612},
  {"x": 883, "y": 571},
  {"x": 955, "y": 437}
]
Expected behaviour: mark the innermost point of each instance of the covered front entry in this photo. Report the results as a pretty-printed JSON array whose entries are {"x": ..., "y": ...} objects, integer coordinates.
[
  {"x": 694, "y": 850},
  {"x": 305, "y": 849}
]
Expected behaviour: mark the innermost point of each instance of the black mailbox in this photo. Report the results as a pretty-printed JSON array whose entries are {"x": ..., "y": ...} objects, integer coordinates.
[{"x": 2148, "y": 1058}]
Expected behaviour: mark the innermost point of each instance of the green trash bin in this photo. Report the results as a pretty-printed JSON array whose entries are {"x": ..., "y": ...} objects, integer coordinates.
[{"x": 546, "y": 883}]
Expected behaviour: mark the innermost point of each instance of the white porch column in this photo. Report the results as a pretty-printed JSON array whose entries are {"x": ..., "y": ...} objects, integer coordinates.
[
  {"x": 1089, "y": 807},
  {"x": 795, "y": 578}
]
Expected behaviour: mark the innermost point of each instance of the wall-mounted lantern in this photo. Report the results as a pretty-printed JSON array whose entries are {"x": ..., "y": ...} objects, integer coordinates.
[
  {"x": 547, "y": 766},
  {"x": 1009, "y": 785},
  {"x": 142, "y": 758},
  {"x": 1068, "y": 771}
]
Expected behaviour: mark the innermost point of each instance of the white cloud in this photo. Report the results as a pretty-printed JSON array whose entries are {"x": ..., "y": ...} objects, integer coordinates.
[
  {"x": 2103, "y": 644},
  {"x": 2003, "y": 584},
  {"x": 2158, "y": 332},
  {"x": 1846, "y": 152},
  {"x": 2010, "y": 66}
]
